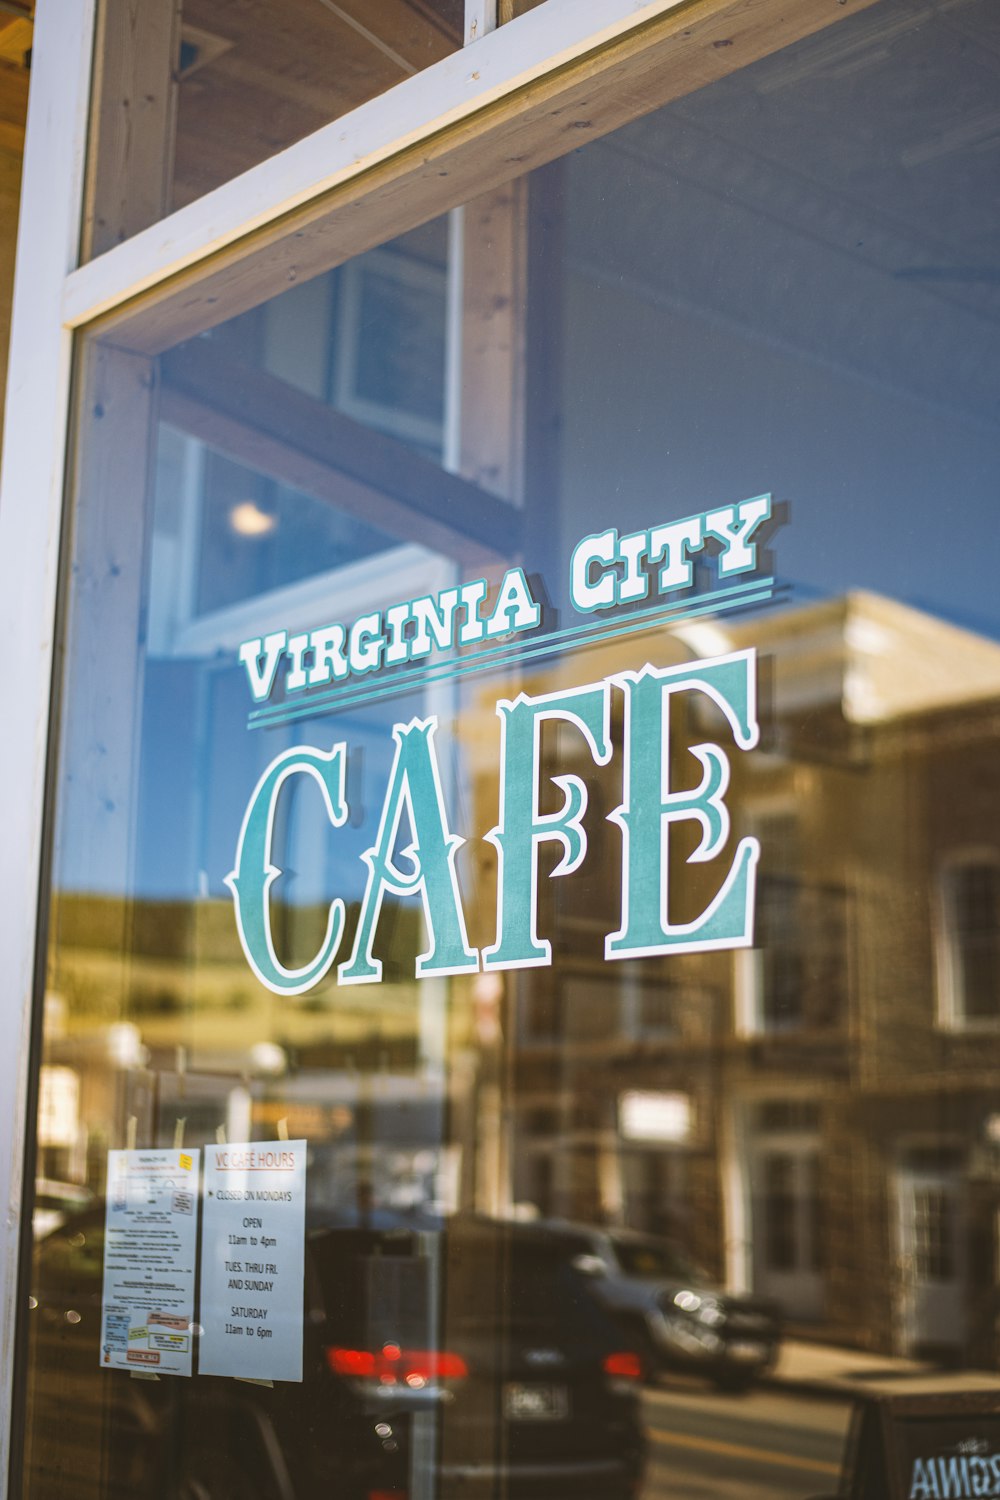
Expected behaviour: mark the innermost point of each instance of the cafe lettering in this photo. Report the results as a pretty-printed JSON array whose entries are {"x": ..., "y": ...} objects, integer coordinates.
[{"x": 426, "y": 867}]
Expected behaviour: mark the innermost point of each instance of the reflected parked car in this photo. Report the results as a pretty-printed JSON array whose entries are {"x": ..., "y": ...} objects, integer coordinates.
[
  {"x": 678, "y": 1318},
  {"x": 456, "y": 1359},
  {"x": 480, "y": 1357}
]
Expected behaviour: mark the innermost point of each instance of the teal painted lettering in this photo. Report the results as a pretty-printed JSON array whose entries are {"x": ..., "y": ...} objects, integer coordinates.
[
  {"x": 733, "y": 526},
  {"x": 522, "y": 827},
  {"x": 923, "y": 1483},
  {"x": 592, "y": 584},
  {"x": 952, "y": 1474},
  {"x": 649, "y": 808},
  {"x": 435, "y": 622},
  {"x": 254, "y": 875},
  {"x": 979, "y": 1477},
  {"x": 415, "y": 788},
  {"x": 261, "y": 678},
  {"x": 515, "y": 607}
]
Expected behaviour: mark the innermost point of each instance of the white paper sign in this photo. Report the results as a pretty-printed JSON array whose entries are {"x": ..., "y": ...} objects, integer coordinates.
[
  {"x": 147, "y": 1306},
  {"x": 253, "y": 1260}
]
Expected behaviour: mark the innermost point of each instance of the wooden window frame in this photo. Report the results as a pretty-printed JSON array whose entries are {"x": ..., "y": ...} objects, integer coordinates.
[{"x": 514, "y": 98}]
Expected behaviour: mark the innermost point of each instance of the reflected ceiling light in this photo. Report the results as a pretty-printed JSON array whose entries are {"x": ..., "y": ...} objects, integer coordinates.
[
  {"x": 268, "y": 1057},
  {"x": 124, "y": 1046},
  {"x": 248, "y": 519}
]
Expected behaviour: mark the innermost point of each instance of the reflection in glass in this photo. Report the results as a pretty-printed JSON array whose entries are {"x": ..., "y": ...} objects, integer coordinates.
[
  {"x": 227, "y": 84},
  {"x": 531, "y": 1189}
]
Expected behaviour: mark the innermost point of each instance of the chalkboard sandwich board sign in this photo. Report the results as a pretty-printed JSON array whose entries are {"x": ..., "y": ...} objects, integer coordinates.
[{"x": 932, "y": 1446}]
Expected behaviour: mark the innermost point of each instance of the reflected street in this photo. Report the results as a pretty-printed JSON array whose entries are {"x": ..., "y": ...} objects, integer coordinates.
[{"x": 765, "y": 1445}]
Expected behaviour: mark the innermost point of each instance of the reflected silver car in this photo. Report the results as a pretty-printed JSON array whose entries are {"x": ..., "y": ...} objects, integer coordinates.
[{"x": 677, "y": 1318}]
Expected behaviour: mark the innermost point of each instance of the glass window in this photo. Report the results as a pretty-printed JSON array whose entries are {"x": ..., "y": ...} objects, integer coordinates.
[
  {"x": 972, "y": 938},
  {"x": 804, "y": 950},
  {"x": 517, "y": 709},
  {"x": 781, "y": 1248},
  {"x": 200, "y": 92}
]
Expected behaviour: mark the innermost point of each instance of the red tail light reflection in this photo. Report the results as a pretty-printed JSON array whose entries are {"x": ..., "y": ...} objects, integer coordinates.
[
  {"x": 625, "y": 1365},
  {"x": 392, "y": 1365}
]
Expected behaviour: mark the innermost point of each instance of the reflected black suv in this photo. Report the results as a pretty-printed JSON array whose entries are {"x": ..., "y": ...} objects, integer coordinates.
[
  {"x": 480, "y": 1359},
  {"x": 671, "y": 1310},
  {"x": 448, "y": 1360}
]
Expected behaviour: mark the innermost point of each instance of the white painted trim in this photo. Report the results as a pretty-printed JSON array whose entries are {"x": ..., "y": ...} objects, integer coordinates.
[
  {"x": 451, "y": 458},
  {"x": 737, "y": 1208},
  {"x": 549, "y": 37},
  {"x": 950, "y": 998},
  {"x": 480, "y": 18},
  {"x": 747, "y": 993},
  {"x": 405, "y": 273},
  {"x": 31, "y": 497}
]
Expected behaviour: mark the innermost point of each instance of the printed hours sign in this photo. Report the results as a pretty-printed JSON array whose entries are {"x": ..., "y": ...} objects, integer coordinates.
[{"x": 253, "y": 1260}]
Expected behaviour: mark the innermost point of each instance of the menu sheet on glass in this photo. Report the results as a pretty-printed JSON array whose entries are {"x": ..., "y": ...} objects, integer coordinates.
[
  {"x": 253, "y": 1260},
  {"x": 151, "y": 1219}
]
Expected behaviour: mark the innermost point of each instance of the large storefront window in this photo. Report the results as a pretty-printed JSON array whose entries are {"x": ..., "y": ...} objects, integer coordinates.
[
  {"x": 192, "y": 95},
  {"x": 524, "y": 912}
]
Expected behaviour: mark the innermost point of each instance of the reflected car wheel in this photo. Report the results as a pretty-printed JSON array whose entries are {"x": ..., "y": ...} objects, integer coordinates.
[{"x": 214, "y": 1479}]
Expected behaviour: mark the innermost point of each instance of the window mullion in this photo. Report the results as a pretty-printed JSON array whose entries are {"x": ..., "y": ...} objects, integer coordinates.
[
  {"x": 31, "y": 504},
  {"x": 480, "y": 17},
  {"x": 449, "y": 92}
]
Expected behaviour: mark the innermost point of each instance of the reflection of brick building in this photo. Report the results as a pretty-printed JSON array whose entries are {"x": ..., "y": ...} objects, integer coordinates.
[
  {"x": 815, "y": 1117},
  {"x": 838, "y": 1147}
]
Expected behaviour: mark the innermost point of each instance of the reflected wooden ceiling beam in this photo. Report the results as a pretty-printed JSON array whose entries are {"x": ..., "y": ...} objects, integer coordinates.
[
  {"x": 534, "y": 123},
  {"x": 410, "y": 35},
  {"x": 270, "y": 426},
  {"x": 13, "y": 105}
]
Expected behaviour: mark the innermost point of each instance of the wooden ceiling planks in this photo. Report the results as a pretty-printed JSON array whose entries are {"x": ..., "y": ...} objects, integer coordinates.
[
  {"x": 283, "y": 70},
  {"x": 15, "y": 53},
  {"x": 668, "y": 59}
]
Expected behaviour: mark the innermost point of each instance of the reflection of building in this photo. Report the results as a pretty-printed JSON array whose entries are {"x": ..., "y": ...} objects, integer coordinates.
[
  {"x": 618, "y": 262},
  {"x": 371, "y": 1101},
  {"x": 815, "y": 1118},
  {"x": 859, "y": 1034}
]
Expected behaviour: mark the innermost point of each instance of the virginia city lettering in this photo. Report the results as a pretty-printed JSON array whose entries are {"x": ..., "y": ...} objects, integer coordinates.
[{"x": 607, "y": 570}]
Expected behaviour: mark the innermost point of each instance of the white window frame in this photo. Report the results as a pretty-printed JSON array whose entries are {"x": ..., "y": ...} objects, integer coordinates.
[
  {"x": 405, "y": 425},
  {"x": 53, "y": 297},
  {"x": 951, "y": 1014},
  {"x": 529, "y": 63}
]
